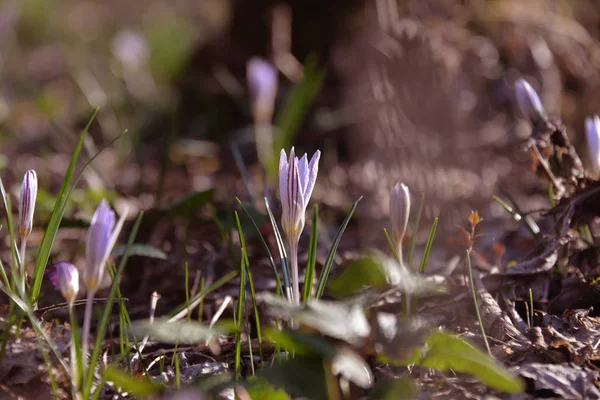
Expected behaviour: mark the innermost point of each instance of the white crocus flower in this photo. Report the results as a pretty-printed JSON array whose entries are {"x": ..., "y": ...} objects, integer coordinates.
[
  {"x": 399, "y": 214},
  {"x": 297, "y": 179}
]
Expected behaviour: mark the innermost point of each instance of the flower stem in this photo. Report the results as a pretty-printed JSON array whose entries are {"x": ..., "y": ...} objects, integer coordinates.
[
  {"x": 87, "y": 322},
  {"x": 294, "y": 262},
  {"x": 23, "y": 276}
]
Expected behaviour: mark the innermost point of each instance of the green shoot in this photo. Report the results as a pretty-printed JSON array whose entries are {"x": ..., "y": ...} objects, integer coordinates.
[
  {"x": 282, "y": 253},
  {"x": 474, "y": 294},
  {"x": 312, "y": 256},
  {"x": 246, "y": 261},
  {"x": 332, "y": 251},
  {"x": 428, "y": 246},
  {"x": 413, "y": 242}
]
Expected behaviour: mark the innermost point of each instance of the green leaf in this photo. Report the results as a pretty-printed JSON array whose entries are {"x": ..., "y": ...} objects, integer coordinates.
[
  {"x": 361, "y": 273},
  {"x": 302, "y": 376},
  {"x": 260, "y": 388},
  {"x": 378, "y": 271},
  {"x": 445, "y": 351},
  {"x": 134, "y": 386},
  {"x": 190, "y": 202},
  {"x": 396, "y": 389},
  {"x": 184, "y": 332},
  {"x": 340, "y": 320},
  {"x": 143, "y": 250}
]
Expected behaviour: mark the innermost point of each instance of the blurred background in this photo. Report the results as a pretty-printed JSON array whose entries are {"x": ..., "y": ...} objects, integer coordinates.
[{"x": 413, "y": 90}]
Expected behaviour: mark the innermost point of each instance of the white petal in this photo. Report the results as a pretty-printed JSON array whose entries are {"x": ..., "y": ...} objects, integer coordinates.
[
  {"x": 283, "y": 170},
  {"x": 313, "y": 170},
  {"x": 303, "y": 173}
]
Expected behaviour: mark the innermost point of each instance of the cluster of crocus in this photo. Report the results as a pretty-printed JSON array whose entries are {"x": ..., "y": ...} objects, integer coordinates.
[
  {"x": 592, "y": 134},
  {"x": 530, "y": 103},
  {"x": 297, "y": 179},
  {"x": 101, "y": 237},
  {"x": 399, "y": 214}
]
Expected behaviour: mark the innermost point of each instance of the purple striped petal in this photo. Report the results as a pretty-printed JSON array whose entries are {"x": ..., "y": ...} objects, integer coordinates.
[
  {"x": 98, "y": 244},
  {"x": 27, "y": 203}
]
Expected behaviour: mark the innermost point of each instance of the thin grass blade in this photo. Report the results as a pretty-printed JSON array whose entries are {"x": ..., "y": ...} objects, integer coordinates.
[
  {"x": 282, "y": 254},
  {"x": 264, "y": 244},
  {"x": 331, "y": 255},
  {"x": 252, "y": 291},
  {"x": 428, "y": 246},
  {"x": 57, "y": 214},
  {"x": 312, "y": 256},
  {"x": 413, "y": 242}
]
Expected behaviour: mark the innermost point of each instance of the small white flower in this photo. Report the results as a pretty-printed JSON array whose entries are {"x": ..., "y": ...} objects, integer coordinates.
[
  {"x": 399, "y": 212},
  {"x": 297, "y": 179},
  {"x": 592, "y": 133},
  {"x": 65, "y": 277},
  {"x": 529, "y": 102},
  {"x": 27, "y": 203}
]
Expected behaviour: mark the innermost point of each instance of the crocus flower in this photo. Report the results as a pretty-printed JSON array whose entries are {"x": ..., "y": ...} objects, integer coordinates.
[
  {"x": 65, "y": 277},
  {"x": 27, "y": 203},
  {"x": 262, "y": 83},
  {"x": 529, "y": 102},
  {"x": 101, "y": 237},
  {"x": 399, "y": 213},
  {"x": 592, "y": 133},
  {"x": 297, "y": 179}
]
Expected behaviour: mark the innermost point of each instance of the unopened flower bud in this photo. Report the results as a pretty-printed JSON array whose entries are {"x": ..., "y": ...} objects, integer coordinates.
[
  {"x": 27, "y": 203},
  {"x": 101, "y": 237},
  {"x": 529, "y": 102},
  {"x": 65, "y": 277},
  {"x": 262, "y": 84},
  {"x": 592, "y": 134},
  {"x": 399, "y": 214}
]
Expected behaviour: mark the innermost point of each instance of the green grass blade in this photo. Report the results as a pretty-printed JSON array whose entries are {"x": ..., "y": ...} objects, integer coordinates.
[
  {"x": 474, "y": 294},
  {"x": 519, "y": 215},
  {"x": 391, "y": 244},
  {"x": 57, "y": 214},
  {"x": 252, "y": 292},
  {"x": 18, "y": 280},
  {"x": 428, "y": 246},
  {"x": 312, "y": 256},
  {"x": 102, "y": 328},
  {"x": 264, "y": 244},
  {"x": 413, "y": 242},
  {"x": 240, "y": 318},
  {"x": 282, "y": 253},
  {"x": 330, "y": 257},
  {"x": 36, "y": 326},
  {"x": 181, "y": 311}
]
